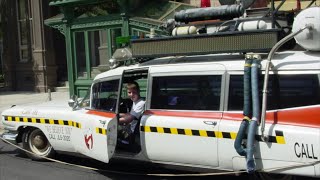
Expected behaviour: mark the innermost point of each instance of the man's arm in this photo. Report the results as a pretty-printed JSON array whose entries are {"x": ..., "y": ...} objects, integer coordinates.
[
  {"x": 135, "y": 113},
  {"x": 126, "y": 118}
]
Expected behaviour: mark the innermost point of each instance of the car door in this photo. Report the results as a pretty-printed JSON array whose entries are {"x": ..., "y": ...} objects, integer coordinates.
[
  {"x": 96, "y": 132},
  {"x": 181, "y": 124}
]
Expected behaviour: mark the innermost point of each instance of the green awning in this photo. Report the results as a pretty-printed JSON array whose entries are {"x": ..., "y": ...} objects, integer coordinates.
[{"x": 55, "y": 20}]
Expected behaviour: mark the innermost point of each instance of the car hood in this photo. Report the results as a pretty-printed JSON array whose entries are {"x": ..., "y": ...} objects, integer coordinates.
[{"x": 38, "y": 110}]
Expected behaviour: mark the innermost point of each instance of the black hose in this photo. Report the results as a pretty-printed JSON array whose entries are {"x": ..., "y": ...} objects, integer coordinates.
[
  {"x": 255, "y": 116},
  {"x": 246, "y": 109}
]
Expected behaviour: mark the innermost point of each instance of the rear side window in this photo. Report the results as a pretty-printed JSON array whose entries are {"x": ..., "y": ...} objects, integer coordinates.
[
  {"x": 186, "y": 92},
  {"x": 298, "y": 90},
  {"x": 284, "y": 91},
  {"x": 235, "y": 98}
]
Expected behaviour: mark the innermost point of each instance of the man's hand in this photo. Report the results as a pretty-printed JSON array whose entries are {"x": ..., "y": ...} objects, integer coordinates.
[{"x": 125, "y": 118}]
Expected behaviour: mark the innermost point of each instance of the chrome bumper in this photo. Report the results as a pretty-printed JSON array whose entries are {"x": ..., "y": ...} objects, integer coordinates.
[{"x": 10, "y": 136}]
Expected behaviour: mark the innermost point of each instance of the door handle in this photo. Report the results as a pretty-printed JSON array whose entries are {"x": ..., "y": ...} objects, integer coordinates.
[{"x": 213, "y": 123}]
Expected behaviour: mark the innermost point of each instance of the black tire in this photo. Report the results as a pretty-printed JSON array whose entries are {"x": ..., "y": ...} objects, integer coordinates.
[{"x": 35, "y": 141}]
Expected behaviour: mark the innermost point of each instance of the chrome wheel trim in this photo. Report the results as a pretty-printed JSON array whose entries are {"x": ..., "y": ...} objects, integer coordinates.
[{"x": 38, "y": 143}]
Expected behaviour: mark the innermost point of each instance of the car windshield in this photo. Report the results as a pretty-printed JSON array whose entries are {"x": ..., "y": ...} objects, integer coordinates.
[{"x": 105, "y": 95}]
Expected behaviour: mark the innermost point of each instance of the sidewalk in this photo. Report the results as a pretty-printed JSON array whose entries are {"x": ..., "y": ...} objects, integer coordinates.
[{"x": 7, "y": 99}]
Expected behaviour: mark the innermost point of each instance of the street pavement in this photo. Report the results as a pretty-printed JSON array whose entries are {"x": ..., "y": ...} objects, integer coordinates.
[{"x": 7, "y": 99}]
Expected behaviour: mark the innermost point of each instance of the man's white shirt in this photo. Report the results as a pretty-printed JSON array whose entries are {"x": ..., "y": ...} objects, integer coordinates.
[{"x": 136, "y": 111}]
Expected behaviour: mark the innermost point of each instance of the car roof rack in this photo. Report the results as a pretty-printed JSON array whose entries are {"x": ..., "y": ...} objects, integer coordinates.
[
  {"x": 230, "y": 41},
  {"x": 226, "y": 42}
]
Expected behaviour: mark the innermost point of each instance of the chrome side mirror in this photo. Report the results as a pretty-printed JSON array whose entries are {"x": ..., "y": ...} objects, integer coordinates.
[{"x": 73, "y": 102}]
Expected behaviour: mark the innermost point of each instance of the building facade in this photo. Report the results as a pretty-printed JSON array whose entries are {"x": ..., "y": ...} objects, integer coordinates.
[{"x": 29, "y": 47}]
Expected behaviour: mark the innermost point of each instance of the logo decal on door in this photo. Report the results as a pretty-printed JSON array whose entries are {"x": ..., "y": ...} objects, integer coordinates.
[{"x": 88, "y": 139}]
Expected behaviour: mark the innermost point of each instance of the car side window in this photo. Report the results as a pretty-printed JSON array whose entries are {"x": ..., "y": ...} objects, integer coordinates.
[
  {"x": 298, "y": 90},
  {"x": 284, "y": 91},
  {"x": 235, "y": 96},
  {"x": 186, "y": 92}
]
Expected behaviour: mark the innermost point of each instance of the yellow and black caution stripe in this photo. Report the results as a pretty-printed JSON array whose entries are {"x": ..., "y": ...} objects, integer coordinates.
[
  {"x": 101, "y": 131},
  {"x": 42, "y": 121},
  {"x": 279, "y": 138}
]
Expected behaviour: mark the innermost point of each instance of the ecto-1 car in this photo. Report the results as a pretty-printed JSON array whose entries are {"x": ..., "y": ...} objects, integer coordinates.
[{"x": 224, "y": 111}]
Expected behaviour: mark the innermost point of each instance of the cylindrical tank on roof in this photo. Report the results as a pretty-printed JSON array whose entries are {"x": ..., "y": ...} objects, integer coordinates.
[
  {"x": 252, "y": 25},
  {"x": 199, "y": 14},
  {"x": 186, "y": 30},
  {"x": 309, "y": 38}
]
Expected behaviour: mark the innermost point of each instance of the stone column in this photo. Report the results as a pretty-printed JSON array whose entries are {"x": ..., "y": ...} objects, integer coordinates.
[
  {"x": 44, "y": 66},
  {"x": 103, "y": 52}
]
